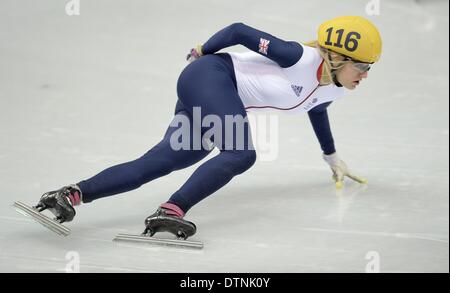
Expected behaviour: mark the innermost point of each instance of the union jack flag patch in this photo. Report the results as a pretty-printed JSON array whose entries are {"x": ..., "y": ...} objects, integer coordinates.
[{"x": 263, "y": 46}]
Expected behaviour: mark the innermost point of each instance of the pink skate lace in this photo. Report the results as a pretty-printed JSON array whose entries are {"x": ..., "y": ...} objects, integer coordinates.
[
  {"x": 75, "y": 198},
  {"x": 172, "y": 209}
]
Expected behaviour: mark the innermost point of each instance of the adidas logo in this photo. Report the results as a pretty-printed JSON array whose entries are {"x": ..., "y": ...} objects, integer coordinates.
[{"x": 297, "y": 89}]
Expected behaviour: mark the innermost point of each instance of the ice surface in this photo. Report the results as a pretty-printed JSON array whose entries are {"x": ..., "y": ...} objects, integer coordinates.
[{"x": 81, "y": 93}]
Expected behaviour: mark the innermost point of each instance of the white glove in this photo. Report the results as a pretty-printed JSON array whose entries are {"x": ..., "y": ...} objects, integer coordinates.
[{"x": 340, "y": 170}]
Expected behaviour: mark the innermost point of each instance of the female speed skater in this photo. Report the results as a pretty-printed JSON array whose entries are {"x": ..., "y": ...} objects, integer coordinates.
[{"x": 274, "y": 75}]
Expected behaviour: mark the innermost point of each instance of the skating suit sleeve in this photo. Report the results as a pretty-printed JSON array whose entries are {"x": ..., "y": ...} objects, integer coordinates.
[
  {"x": 284, "y": 53},
  {"x": 321, "y": 125}
]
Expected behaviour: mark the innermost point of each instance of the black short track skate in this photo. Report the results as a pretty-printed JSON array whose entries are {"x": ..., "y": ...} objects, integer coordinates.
[
  {"x": 160, "y": 221},
  {"x": 58, "y": 203}
]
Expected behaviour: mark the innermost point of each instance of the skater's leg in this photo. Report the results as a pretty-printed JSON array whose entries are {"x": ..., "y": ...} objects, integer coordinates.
[
  {"x": 214, "y": 93},
  {"x": 211, "y": 176},
  {"x": 161, "y": 160}
]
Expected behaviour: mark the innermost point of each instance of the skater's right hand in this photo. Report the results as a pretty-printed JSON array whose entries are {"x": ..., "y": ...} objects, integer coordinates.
[
  {"x": 194, "y": 54},
  {"x": 340, "y": 170}
]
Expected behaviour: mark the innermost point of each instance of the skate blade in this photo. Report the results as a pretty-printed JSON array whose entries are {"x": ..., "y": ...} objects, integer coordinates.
[
  {"x": 158, "y": 241},
  {"x": 42, "y": 219}
]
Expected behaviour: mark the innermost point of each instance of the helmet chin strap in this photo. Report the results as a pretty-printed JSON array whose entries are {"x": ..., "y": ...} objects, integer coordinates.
[{"x": 335, "y": 80}]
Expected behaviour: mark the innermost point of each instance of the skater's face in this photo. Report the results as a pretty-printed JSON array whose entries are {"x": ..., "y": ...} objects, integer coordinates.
[{"x": 351, "y": 74}]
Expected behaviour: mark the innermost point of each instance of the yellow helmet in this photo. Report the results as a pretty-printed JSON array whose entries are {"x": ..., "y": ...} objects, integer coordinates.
[{"x": 351, "y": 36}]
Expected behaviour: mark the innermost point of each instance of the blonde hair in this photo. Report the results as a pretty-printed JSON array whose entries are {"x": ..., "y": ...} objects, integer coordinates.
[{"x": 332, "y": 62}]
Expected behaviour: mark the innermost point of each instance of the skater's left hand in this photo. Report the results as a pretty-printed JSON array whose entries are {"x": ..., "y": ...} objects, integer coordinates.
[
  {"x": 340, "y": 170},
  {"x": 194, "y": 54}
]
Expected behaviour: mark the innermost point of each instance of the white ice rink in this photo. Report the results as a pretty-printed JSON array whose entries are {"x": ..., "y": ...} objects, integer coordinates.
[{"x": 81, "y": 93}]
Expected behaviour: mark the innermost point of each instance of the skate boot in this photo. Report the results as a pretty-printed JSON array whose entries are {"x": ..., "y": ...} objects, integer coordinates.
[
  {"x": 169, "y": 218},
  {"x": 61, "y": 202}
]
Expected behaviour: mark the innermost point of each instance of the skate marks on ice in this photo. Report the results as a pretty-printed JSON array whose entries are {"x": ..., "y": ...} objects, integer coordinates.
[
  {"x": 42, "y": 219},
  {"x": 158, "y": 241},
  {"x": 414, "y": 236}
]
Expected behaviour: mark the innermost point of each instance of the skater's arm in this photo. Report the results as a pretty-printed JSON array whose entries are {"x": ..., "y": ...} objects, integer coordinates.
[
  {"x": 285, "y": 53},
  {"x": 321, "y": 125}
]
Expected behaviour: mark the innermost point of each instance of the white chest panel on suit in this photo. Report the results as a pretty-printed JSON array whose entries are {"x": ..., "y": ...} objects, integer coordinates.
[{"x": 265, "y": 86}]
